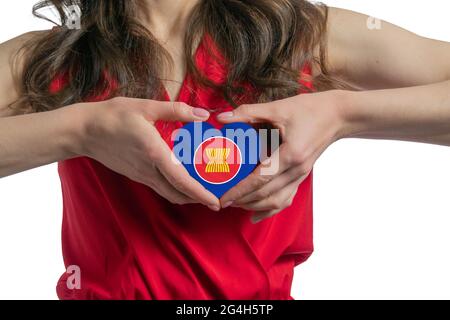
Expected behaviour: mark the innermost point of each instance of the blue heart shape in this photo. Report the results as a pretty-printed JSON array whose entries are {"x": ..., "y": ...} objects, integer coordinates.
[{"x": 218, "y": 159}]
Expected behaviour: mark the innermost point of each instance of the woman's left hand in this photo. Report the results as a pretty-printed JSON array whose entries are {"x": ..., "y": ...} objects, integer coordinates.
[{"x": 308, "y": 124}]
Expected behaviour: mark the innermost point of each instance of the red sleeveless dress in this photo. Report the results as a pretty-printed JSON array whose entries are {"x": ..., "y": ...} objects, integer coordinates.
[{"x": 129, "y": 243}]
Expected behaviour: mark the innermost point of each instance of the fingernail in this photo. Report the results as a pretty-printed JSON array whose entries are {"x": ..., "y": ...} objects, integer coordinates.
[
  {"x": 214, "y": 208},
  {"x": 201, "y": 113},
  {"x": 226, "y": 115},
  {"x": 227, "y": 204}
]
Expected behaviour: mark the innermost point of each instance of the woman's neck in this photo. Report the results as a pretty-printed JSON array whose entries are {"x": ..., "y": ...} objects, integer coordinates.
[{"x": 167, "y": 19}]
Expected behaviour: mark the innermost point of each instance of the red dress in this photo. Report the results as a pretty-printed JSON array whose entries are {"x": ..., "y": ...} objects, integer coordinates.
[{"x": 130, "y": 243}]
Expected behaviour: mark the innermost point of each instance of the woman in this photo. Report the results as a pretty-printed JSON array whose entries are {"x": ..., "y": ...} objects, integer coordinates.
[{"x": 104, "y": 99}]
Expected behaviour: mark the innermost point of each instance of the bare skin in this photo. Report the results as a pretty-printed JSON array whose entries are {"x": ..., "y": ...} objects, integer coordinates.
[
  {"x": 167, "y": 21},
  {"x": 404, "y": 82},
  {"x": 379, "y": 62}
]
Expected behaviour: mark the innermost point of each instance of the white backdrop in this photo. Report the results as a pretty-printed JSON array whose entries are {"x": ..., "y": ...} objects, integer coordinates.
[{"x": 382, "y": 209}]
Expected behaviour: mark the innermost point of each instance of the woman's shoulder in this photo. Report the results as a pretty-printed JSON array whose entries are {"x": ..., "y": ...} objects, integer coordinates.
[
  {"x": 12, "y": 57},
  {"x": 22, "y": 39},
  {"x": 12, "y": 48}
]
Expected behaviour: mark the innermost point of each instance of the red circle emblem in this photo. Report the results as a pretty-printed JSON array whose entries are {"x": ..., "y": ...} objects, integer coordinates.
[{"x": 217, "y": 160}]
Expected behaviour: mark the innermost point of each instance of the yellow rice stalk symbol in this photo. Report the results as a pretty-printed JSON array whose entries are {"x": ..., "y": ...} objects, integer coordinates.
[{"x": 217, "y": 160}]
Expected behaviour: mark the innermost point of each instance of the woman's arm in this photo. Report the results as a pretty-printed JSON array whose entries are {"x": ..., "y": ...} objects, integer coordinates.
[
  {"x": 119, "y": 133},
  {"x": 381, "y": 55},
  {"x": 420, "y": 114},
  {"x": 29, "y": 141},
  {"x": 25, "y": 142},
  {"x": 409, "y": 99}
]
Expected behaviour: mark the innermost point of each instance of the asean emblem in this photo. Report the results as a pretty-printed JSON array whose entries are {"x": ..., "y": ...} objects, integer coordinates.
[{"x": 218, "y": 159}]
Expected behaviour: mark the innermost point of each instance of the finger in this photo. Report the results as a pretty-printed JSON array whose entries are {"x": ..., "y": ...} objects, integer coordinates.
[
  {"x": 175, "y": 111},
  {"x": 180, "y": 179},
  {"x": 249, "y": 113},
  {"x": 161, "y": 186},
  {"x": 272, "y": 167},
  {"x": 290, "y": 175},
  {"x": 257, "y": 218},
  {"x": 262, "y": 215},
  {"x": 277, "y": 201}
]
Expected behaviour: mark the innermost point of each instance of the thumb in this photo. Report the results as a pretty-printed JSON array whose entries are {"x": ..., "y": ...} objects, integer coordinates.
[
  {"x": 249, "y": 113},
  {"x": 179, "y": 111}
]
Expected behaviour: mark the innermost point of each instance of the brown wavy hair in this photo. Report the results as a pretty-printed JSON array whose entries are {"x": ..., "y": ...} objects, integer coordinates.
[{"x": 265, "y": 43}]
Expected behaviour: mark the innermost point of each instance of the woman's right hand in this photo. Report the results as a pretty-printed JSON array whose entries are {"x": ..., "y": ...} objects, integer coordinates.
[{"x": 120, "y": 133}]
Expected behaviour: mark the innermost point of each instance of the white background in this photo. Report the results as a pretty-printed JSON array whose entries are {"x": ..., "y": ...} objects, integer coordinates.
[{"x": 382, "y": 209}]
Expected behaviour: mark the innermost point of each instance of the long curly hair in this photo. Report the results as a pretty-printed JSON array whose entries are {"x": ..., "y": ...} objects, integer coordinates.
[{"x": 265, "y": 44}]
